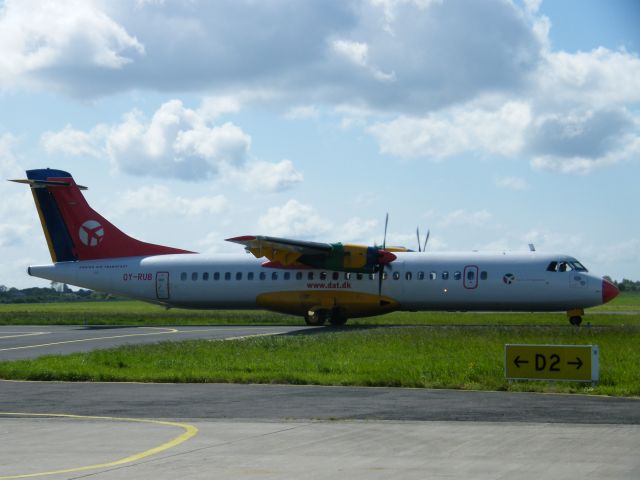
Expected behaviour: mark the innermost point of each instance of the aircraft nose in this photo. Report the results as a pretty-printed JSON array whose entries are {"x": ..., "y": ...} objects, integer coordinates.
[{"x": 609, "y": 291}]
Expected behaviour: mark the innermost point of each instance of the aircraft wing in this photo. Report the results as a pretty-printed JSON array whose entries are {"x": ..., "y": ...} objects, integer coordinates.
[{"x": 290, "y": 253}]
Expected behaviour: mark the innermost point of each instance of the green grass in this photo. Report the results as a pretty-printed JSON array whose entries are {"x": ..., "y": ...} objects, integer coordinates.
[
  {"x": 139, "y": 313},
  {"x": 424, "y": 357},
  {"x": 441, "y": 350}
]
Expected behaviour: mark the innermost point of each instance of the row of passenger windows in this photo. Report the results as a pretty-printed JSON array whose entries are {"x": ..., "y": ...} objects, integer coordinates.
[{"x": 195, "y": 276}]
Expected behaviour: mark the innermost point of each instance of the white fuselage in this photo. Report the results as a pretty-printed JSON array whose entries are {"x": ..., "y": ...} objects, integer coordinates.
[{"x": 417, "y": 281}]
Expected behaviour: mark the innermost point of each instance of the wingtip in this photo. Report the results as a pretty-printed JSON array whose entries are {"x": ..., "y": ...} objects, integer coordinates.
[{"x": 241, "y": 239}]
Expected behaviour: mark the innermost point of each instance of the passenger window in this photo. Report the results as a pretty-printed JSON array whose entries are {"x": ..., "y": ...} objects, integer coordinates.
[
  {"x": 298, "y": 275},
  {"x": 287, "y": 275},
  {"x": 250, "y": 276},
  {"x": 274, "y": 276},
  {"x": 216, "y": 276},
  {"x": 408, "y": 275},
  {"x": 227, "y": 275},
  {"x": 372, "y": 276},
  {"x": 323, "y": 275},
  {"x": 238, "y": 276},
  {"x": 384, "y": 275},
  {"x": 420, "y": 275},
  {"x": 484, "y": 275},
  {"x": 347, "y": 276},
  {"x": 396, "y": 275},
  {"x": 457, "y": 275},
  {"x": 183, "y": 276},
  {"x": 445, "y": 275},
  {"x": 310, "y": 276},
  {"x": 194, "y": 276},
  {"x": 335, "y": 275},
  {"x": 359, "y": 276},
  {"x": 205, "y": 276},
  {"x": 263, "y": 276},
  {"x": 433, "y": 275},
  {"x": 471, "y": 275}
]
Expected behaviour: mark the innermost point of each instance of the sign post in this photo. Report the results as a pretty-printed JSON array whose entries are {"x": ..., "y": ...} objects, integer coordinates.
[{"x": 564, "y": 363}]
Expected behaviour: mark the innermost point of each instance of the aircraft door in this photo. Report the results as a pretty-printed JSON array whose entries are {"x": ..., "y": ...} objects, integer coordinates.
[
  {"x": 162, "y": 285},
  {"x": 470, "y": 278}
]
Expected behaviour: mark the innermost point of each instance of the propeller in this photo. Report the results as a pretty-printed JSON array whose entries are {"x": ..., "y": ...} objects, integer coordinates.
[
  {"x": 382, "y": 256},
  {"x": 424, "y": 248}
]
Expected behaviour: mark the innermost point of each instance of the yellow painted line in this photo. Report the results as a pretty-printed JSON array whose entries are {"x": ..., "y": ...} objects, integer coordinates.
[
  {"x": 20, "y": 334},
  {"x": 189, "y": 432},
  {"x": 168, "y": 331}
]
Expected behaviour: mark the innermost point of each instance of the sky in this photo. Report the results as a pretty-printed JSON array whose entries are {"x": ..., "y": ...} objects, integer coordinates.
[{"x": 491, "y": 124}]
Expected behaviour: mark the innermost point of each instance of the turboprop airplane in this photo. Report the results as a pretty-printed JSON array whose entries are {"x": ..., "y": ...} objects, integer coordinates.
[{"x": 318, "y": 281}]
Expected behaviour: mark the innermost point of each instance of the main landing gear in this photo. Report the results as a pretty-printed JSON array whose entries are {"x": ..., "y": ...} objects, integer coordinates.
[
  {"x": 317, "y": 318},
  {"x": 575, "y": 316}
]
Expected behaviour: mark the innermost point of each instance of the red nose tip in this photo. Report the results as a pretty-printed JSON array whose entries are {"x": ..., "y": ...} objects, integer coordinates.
[{"x": 609, "y": 291}]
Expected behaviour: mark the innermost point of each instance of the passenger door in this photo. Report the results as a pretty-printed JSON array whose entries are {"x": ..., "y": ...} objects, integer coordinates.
[
  {"x": 162, "y": 285},
  {"x": 470, "y": 277}
]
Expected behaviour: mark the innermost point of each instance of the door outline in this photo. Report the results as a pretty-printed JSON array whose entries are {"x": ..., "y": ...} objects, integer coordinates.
[
  {"x": 470, "y": 284},
  {"x": 162, "y": 286}
]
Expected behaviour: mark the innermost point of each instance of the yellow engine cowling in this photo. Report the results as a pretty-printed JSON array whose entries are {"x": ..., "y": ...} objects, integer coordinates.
[{"x": 353, "y": 304}]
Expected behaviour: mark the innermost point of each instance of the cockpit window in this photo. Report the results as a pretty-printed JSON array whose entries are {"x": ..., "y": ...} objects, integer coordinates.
[
  {"x": 566, "y": 266},
  {"x": 578, "y": 267}
]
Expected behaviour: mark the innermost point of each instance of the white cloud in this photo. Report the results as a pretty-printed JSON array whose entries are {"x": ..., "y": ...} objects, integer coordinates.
[
  {"x": 512, "y": 183},
  {"x": 41, "y": 39},
  {"x": 71, "y": 141},
  {"x": 17, "y": 201},
  {"x": 161, "y": 201},
  {"x": 266, "y": 176},
  {"x": 293, "y": 219},
  {"x": 178, "y": 142},
  {"x": 302, "y": 112},
  {"x": 12, "y": 235},
  {"x": 463, "y": 217},
  {"x": 578, "y": 142},
  {"x": 175, "y": 142},
  {"x": 454, "y": 131}
]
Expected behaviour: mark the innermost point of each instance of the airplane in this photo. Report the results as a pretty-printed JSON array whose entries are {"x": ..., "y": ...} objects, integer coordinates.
[{"x": 322, "y": 282}]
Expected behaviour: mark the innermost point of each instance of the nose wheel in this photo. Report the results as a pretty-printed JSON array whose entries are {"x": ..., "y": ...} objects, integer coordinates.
[{"x": 575, "y": 316}]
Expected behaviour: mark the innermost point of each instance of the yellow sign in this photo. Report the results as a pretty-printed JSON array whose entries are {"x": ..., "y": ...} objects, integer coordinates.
[{"x": 577, "y": 363}]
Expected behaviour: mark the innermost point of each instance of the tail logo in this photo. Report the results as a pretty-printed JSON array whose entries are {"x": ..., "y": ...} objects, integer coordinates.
[{"x": 91, "y": 233}]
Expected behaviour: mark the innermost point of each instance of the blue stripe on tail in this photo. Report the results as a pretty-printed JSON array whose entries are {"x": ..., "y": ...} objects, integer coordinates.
[{"x": 53, "y": 223}]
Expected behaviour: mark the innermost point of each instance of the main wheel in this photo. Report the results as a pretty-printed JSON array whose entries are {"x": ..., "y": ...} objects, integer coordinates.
[
  {"x": 316, "y": 318},
  {"x": 576, "y": 320}
]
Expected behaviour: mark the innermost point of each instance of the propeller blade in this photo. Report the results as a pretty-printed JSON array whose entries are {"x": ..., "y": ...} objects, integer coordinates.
[
  {"x": 418, "y": 235},
  {"x": 386, "y": 223},
  {"x": 424, "y": 249}
]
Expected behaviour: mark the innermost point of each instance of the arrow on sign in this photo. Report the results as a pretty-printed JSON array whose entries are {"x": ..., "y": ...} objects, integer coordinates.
[
  {"x": 517, "y": 361},
  {"x": 578, "y": 363}
]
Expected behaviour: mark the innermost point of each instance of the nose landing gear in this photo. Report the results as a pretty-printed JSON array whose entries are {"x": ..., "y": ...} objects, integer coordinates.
[{"x": 575, "y": 316}]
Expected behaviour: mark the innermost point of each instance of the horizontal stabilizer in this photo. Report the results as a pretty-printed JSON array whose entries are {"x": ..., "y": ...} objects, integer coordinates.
[{"x": 47, "y": 183}]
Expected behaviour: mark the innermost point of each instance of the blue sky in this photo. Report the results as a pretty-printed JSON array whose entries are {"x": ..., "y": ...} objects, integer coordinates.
[{"x": 493, "y": 124}]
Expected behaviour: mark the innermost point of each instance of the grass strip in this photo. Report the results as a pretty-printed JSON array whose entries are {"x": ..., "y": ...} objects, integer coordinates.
[
  {"x": 139, "y": 313},
  {"x": 424, "y": 357}
]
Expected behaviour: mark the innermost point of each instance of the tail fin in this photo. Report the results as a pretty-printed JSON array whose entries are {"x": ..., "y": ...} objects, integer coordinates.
[{"x": 74, "y": 231}]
